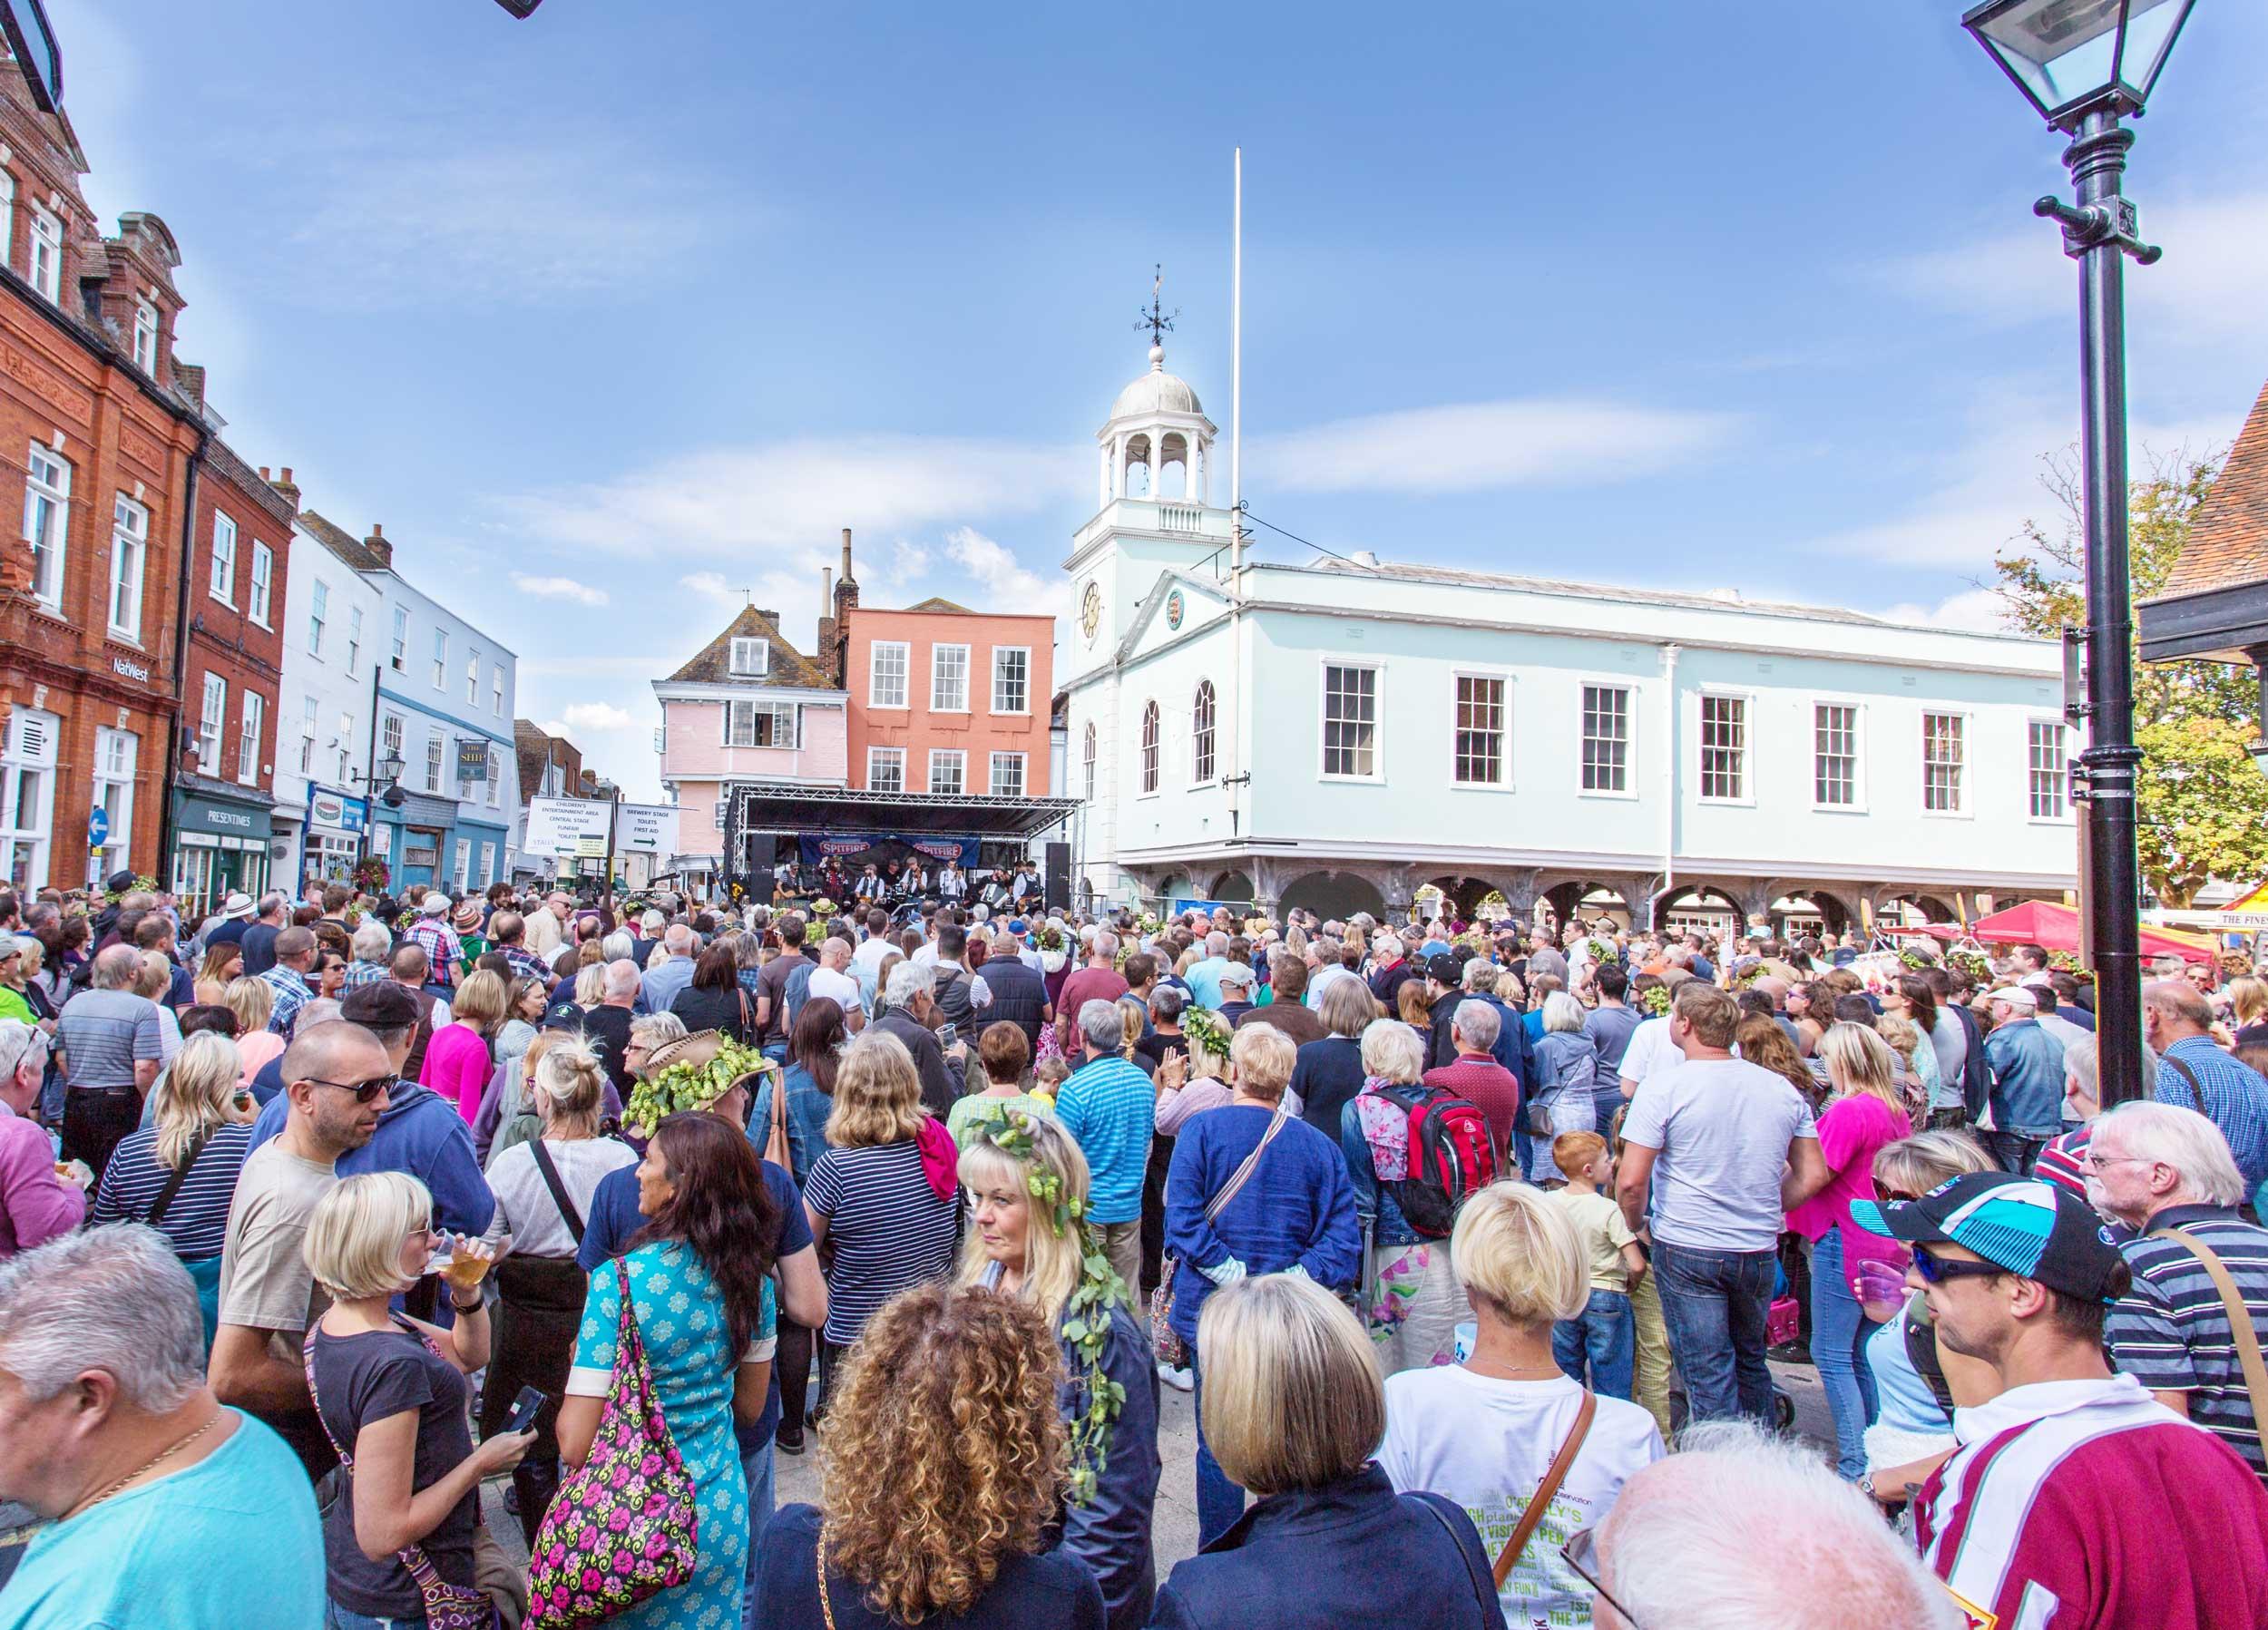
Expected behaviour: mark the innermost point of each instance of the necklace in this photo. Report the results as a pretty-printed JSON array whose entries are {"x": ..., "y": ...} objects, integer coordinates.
[{"x": 173, "y": 1449}]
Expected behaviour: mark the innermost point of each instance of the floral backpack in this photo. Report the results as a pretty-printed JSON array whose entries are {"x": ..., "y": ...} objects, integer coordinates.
[{"x": 625, "y": 1526}]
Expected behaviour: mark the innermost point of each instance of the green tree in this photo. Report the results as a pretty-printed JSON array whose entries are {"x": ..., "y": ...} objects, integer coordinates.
[{"x": 2201, "y": 803}]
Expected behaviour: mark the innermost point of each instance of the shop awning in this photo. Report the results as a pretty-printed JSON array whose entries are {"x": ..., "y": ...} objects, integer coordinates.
[
  {"x": 2054, "y": 927},
  {"x": 793, "y": 811}
]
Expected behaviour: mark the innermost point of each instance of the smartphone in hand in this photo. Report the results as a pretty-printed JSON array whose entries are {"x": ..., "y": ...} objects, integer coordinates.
[{"x": 525, "y": 1408}]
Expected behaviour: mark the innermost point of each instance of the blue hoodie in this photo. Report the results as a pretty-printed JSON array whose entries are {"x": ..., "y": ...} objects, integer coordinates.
[{"x": 422, "y": 1134}]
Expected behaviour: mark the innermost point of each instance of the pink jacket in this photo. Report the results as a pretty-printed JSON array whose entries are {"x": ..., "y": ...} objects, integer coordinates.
[
  {"x": 457, "y": 1066},
  {"x": 36, "y": 1206}
]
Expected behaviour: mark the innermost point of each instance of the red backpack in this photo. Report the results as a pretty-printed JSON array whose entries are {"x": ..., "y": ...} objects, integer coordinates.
[{"x": 1451, "y": 1156}]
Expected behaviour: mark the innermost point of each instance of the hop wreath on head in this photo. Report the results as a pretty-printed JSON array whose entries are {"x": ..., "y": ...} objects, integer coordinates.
[
  {"x": 1201, "y": 1026},
  {"x": 689, "y": 1085},
  {"x": 1085, "y": 1323},
  {"x": 1657, "y": 1001}
]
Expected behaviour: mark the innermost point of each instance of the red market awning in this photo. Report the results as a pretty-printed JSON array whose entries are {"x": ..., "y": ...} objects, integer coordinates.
[{"x": 2055, "y": 927}]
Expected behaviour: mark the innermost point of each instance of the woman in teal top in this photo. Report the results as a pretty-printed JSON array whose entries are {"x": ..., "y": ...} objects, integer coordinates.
[{"x": 699, "y": 1286}]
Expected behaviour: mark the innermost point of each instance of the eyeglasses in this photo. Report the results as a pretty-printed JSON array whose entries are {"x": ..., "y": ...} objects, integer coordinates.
[
  {"x": 1581, "y": 1553},
  {"x": 1886, "y": 1195},
  {"x": 364, "y": 1091},
  {"x": 2098, "y": 1162},
  {"x": 1937, "y": 1270}
]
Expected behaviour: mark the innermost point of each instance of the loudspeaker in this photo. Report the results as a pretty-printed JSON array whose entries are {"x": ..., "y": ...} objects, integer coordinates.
[{"x": 1058, "y": 871}]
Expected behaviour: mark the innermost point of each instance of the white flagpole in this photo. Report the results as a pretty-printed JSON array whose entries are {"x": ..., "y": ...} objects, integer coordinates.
[{"x": 1236, "y": 384}]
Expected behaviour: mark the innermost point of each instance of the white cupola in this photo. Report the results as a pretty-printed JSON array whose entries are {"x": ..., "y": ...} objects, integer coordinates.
[{"x": 1157, "y": 424}]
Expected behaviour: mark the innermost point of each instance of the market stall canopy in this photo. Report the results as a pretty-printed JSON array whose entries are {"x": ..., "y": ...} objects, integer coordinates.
[{"x": 2055, "y": 927}]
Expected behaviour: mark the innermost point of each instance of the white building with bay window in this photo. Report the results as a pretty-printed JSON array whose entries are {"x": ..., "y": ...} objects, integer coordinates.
[{"x": 1340, "y": 734}]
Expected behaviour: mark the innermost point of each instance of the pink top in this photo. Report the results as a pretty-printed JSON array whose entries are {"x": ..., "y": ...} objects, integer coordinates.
[
  {"x": 256, "y": 1049},
  {"x": 457, "y": 1066},
  {"x": 36, "y": 1206},
  {"x": 1851, "y": 1132}
]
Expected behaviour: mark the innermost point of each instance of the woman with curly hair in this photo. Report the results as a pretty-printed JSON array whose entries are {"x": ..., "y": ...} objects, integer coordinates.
[
  {"x": 945, "y": 1462},
  {"x": 1027, "y": 1184},
  {"x": 697, "y": 1275}
]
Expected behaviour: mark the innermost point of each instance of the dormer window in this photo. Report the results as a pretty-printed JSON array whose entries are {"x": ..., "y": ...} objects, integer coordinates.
[
  {"x": 751, "y": 657},
  {"x": 46, "y": 255},
  {"x": 146, "y": 337}
]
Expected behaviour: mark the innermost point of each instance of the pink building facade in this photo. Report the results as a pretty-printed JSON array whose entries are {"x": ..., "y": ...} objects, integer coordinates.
[
  {"x": 948, "y": 702},
  {"x": 749, "y": 710}
]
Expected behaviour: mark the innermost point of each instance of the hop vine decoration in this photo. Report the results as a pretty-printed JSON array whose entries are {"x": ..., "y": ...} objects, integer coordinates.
[
  {"x": 1655, "y": 1002},
  {"x": 1085, "y": 1323},
  {"x": 1915, "y": 957},
  {"x": 1601, "y": 951},
  {"x": 1972, "y": 965},
  {"x": 1204, "y": 1028},
  {"x": 689, "y": 1086}
]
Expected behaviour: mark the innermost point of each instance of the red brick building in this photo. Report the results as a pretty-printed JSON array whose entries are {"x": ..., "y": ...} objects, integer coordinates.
[
  {"x": 223, "y": 808},
  {"x": 99, "y": 430}
]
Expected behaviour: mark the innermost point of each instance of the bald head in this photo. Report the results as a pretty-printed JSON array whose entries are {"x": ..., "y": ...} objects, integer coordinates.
[{"x": 2178, "y": 1006}]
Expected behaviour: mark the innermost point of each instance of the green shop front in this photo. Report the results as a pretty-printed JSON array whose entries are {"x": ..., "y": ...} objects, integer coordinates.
[{"x": 222, "y": 835}]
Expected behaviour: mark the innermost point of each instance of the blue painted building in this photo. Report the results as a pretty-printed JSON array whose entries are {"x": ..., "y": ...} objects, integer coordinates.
[{"x": 443, "y": 696}]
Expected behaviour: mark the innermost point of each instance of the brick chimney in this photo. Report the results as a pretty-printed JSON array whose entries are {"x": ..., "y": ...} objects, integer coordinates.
[
  {"x": 377, "y": 545},
  {"x": 825, "y": 651},
  {"x": 837, "y": 657},
  {"x": 286, "y": 486}
]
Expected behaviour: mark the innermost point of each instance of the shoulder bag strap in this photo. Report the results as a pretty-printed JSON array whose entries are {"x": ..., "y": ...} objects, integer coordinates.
[
  {"x": 2196, "y": 1091},
  {"x": 1556, "y": 1474},
  {"x": 1243, "y": 1173},
  {"x": 559, "y": 1190},
  {"x": 164, "y": 1201},
  {"x": 1433, "y": 1504},
  {"x": 2248, "y": 1354}
]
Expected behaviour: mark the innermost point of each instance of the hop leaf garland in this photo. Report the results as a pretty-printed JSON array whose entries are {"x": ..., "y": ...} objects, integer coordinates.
[
  {"x": 689, "y": 1086},
  {"x": 1202, "y": 1027},
  {"x": 1086, "y": 1323},
  {"x": 1657, "y": 1001}
]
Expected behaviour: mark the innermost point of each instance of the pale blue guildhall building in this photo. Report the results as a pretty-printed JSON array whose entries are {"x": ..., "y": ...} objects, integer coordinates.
[
  {"x": 1341, "y": 734},
  {"x": 443, "y": 696}
]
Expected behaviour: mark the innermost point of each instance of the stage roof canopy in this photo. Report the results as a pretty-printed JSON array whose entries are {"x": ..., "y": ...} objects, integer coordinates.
[{"x": 786, "y": 811}]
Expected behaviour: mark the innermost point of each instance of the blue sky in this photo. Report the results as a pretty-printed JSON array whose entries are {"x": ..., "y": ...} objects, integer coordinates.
[{"x": 609, "y": 315}]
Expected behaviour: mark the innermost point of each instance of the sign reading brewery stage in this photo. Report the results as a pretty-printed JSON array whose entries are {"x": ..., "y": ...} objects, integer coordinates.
[{"x": 562, "y": 827}]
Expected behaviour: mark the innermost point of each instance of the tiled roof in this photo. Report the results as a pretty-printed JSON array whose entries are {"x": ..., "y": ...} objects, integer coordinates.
[
  {"x": 341, "y": 544},
  {"x": 790, "y": 668},
  {"x": 2228, "y": 537}
]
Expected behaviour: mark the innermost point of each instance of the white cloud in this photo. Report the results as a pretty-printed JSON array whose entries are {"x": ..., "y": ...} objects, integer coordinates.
[
  {"x": 2206, "y": 291},
  {"x": 727, "y": 502},
  {"x": 991, "y": 564},
  {"x": 559, "y": 587},
  {"x": 1970, "y": 610},
  {"x": 597, "y": 716},
  {"x": 1478, "y": 445}
]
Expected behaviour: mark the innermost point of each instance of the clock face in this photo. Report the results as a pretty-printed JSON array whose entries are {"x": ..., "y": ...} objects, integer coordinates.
[{"x": 1090, "y": 609}]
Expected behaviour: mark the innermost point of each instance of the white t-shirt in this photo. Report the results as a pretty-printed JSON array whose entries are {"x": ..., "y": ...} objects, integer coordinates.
[
  {"x": 1723, "y": 1128},
  {"x": 838, "y": 987},
  {"x": 1486, "y": 1444},
  {"x": 1651, "y": 1052}
]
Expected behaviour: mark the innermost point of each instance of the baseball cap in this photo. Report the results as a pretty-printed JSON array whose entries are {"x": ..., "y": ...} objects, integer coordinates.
[
  {"x": 2029, "y": 1227},
  {"x": 433, "y": 905},
  {"x": 1235, "y": 975},
  {"x": 380, "y": 1005},
  {"x": 1445, "y": 966},
  {"x": 2016, "y": 996}
]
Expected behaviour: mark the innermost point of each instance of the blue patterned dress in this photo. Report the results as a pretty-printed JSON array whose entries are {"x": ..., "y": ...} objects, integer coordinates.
[{"x": 682, "y": 1320}]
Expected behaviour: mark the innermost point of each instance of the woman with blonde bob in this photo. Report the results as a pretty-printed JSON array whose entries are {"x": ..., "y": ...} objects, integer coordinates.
[
  {"x": 458, "y": 1060},
  {"x": 1027, "y": 1184},
  {"x": 253, "y": 1001},
  {"x": 1483, "y": 1433},
  {"x": 203, "y": 1121},
  {"x": 1294, "y": 1407},
  {"x": 1866, "y": 1113},
  {"x": 946, "y": 1459},
  {"x": 391, "y": 1392},
  {"x": 885, "y": 1192}
]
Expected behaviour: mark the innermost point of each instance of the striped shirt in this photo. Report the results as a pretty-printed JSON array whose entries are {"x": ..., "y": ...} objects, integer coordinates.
[
  {"x": 198, "y": 1218},
  {"x": 2086, "y": 1503},
  {"x": 889, "y": 1229},
  {"x": 2232, "y": 1095},
  {"x": 2171, "y": 1332}
]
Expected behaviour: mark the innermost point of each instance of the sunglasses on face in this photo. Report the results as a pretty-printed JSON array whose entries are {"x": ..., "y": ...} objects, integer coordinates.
[
  {"x": 364, "y": 1091},
  {"x": 1886, "y": 1195},
  {"x": 1581, "y": 1553},
  {"x": 1937, "y": 1270}
]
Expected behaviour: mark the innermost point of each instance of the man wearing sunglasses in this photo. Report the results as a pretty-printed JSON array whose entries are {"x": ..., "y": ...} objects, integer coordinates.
[
  {"x": 2074, "y": 1498},
  {"x": 337, "y": 1076}
]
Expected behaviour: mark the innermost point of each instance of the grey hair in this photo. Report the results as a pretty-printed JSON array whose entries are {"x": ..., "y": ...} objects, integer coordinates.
[
  {"x": 1216, "y": 944},
  {"x": 2168, "y": 1135},
  {"x": 908, "y": 980},
  {"x": 371, "y": 941},
  {"x": 615, "y": 947},
  {"x": 1740, "y": 1528},
  {"x": 621, "y": 976},
  {"x": 270, "y": 902},
  {"x": 1478, "y": 1022},
  {"x": 20, "y": 1044},
  {"x": 1106, "y": 944},
  {"x": 1166, "y": 1002},
  {"x": 652, "y": 922},
  {"x": 117, "y": 969},
  {"x": 2082, "y": 1063},
  {"x": 655, "y": 1028},
  {"x": 1099, "y": 1023},
  {"x": 1562, "y": 1012},
  {"x": 321, "y": 1009},
  {"x": 1391, "y": 1050},
  {"x": 114, "y": 1299},
  {"x": 1479, "y": 975}
]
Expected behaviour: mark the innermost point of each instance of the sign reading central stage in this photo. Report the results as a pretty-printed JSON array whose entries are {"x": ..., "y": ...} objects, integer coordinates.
[{"x": 563, "y": 826}]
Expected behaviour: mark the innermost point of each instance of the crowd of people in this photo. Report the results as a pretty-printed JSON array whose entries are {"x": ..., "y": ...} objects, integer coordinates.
[{"x": 315, "y": 1216}]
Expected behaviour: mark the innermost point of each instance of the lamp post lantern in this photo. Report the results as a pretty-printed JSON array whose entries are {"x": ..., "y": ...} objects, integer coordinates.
[{"x": 2084, "y": 65}]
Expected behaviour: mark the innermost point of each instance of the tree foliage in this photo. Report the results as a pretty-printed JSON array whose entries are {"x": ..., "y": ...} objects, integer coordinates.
[{"x": 2201, "y": 803}]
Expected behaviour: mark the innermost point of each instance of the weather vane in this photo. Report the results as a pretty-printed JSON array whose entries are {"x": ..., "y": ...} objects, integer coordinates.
[{"x": 1157, "y": 321}]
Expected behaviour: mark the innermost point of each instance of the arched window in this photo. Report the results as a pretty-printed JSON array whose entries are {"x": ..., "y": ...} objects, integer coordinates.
[
  {"x": 1088, "y": 758},
  {"x": 1201, "y": 734},
  {"x": 1150, "y": 746}
]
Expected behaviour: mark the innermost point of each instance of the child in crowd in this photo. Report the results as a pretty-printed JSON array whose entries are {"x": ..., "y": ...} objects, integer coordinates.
[
  {"x": 1605, "y": 1332},
  {"x": 1049, "y": 1075}
]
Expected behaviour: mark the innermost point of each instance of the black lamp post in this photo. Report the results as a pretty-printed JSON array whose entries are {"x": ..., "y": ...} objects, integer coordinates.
[
  {"x": 2083, "y": 64},
  {"x": 384, "y": 785}
]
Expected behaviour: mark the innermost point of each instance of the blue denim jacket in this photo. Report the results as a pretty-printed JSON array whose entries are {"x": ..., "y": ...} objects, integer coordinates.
[
  {"x": 1374, "y": 1208},
  {"x": 2027, "y": 1065}
]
